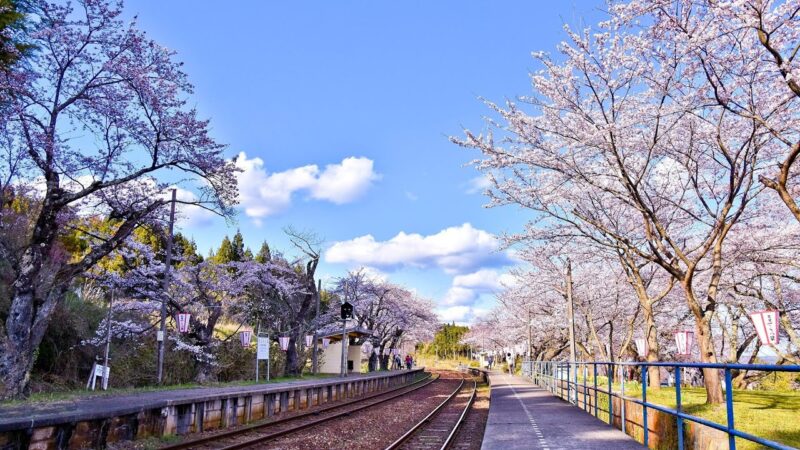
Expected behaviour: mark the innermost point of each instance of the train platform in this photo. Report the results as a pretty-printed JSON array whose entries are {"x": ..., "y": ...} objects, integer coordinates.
[
  {"x": 524, "y": 416},
  {"x": 95, "y": 420}
]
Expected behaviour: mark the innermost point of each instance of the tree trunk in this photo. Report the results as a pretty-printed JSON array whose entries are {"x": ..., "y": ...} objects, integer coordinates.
[
  {"x": 653, "y": 372},
  {"x": 27, "y": 321},
  {"x": 16, "y": 362},
  {"x": 292, "y": 368},
  {"x": 705, "y": 343}
]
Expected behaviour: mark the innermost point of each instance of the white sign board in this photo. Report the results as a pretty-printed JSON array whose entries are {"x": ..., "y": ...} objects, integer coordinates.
[
  {"x": 98, "y": 370},
  {"x": 159, "y": 336},
  {"x": 262, "y": 348},
  {"x": 766, "y": 323}
]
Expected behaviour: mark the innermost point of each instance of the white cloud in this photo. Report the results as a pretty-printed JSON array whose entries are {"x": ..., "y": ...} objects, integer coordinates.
[
  {"x": 459, "y": 296},
  {"x": 467, "y": 288},
  {"x": 189, "y": 216},
  {"x": 455, "y": 250},
  {"x": 375, "y": 274},
  {"x": 262, "y": 194},
  {"x": 345, "y": 182},
  {"x": 460, "y": 314},
  {"x": 478, "y": 184},
  {"x": 484, "y": 279}
]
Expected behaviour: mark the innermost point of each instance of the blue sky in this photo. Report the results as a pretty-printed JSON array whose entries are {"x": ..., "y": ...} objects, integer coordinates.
[{"x": 367, "y": 92}]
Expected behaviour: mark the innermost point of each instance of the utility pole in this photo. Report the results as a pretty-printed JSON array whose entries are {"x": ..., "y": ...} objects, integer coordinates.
[
  {"x": 571, "y": 312},
  {"x": 108, "y": 340},
  {"x": 164, "y": 288},
  {"x": 530, "y": 337},
  {"x": 314, "y": 363},
  {"x": 258, "y": 335}
]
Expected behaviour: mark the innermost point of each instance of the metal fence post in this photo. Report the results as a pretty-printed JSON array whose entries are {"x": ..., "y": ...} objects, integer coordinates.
[
  {"x": 575, "y": 375},
  {"x": 644, "y": 406},
  {"x": 729, "y": 405},
  {"x": 622, "y": 397},
  {"x": 585, "y": 404},
  {"x": 596, "y": 395},
  {"x": 678, "y": 406},
  {"x": 609, "y": 373}
]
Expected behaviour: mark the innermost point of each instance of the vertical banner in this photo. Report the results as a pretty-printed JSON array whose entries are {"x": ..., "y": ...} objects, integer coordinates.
[
  {"x": 767, "y": 326},
  {"x": 684, "y": 341},
  {"x": 244, "y": 337},
  {"x": 183, "y": 322},
  {"x": 284, "y": 341},
  {"x": 262, "y": 347},
  {"x": 641, "y": 347}
]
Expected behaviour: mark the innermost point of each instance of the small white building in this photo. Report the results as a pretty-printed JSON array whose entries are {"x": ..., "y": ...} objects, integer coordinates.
[{"x": 331, "y": 361}]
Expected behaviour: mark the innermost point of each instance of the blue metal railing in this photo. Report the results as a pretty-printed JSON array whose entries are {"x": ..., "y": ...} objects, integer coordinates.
[{"x": 554, "y": 375}]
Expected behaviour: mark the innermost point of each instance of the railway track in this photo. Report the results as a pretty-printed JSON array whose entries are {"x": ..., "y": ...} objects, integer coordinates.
[
  {"x": 439, "y": 428},
  {"x": 259, "y": 434}
]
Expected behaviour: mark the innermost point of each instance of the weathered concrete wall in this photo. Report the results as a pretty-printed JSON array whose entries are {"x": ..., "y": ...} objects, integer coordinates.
[{"x": 193, "y": 415}]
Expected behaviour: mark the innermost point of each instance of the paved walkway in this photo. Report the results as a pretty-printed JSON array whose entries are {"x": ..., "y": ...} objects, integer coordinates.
[
  {"x": 35, "y": 414},
  {"x": 523, "y": 416}
]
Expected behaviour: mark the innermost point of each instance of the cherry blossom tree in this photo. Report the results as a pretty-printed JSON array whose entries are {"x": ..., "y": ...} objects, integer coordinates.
[
  {"x": 93, "y": 121},
  {"x": 637, "y": 136},
  {"x": 392, "y": 313}
]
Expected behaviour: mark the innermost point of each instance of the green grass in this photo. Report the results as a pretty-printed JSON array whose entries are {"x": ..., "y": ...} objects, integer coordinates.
[
  {"x": 62, "y": 396},
  {"x": 769, "y": 414},
  {"x": 432, "y": 362},
  {"x": 774, "y": 415}
]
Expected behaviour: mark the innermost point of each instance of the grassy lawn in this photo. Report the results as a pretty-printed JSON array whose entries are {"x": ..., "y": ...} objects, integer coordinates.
[
  {"x": 431, "y": 362},
  {"x": 59, "y": 396},
  {"x": 773, "y": 414}
]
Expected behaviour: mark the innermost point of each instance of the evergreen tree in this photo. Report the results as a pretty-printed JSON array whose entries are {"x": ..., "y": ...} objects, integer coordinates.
[
  {"x": 237, "y": 247},
  {"x": 225, "y": 253},
  {"x": 12, "y": 21},
  {"x": 263, "y": 254},
  {"x": 186, "y": 250}
]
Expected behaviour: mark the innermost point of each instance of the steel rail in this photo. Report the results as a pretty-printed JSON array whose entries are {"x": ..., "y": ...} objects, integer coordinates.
[
  {"x": 209, "y": 440},
  {"x": 405, "y": 437},
  {"x": 453, "y": 432}
]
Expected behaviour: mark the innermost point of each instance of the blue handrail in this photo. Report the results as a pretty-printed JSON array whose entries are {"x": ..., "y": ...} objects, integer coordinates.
[{"x": 548, "y": 373}]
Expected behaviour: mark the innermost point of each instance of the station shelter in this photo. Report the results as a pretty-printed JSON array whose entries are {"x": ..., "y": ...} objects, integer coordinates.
[{"x": 331, "y": 359}]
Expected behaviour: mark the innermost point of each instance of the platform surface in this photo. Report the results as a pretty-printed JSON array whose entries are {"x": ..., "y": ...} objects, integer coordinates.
[
  {"x": 30, "y": 415},
  {"x": 524, "y": 416}
]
